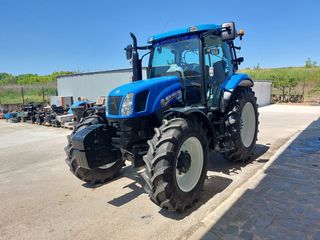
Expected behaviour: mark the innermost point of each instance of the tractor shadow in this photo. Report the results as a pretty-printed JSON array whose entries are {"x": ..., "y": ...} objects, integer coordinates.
[
  {"x": 94, "y": 186},
  {"x": 135, "y": 187},
  {"x": 213, "y": 185},
  {"x": 218, "y": 164}
]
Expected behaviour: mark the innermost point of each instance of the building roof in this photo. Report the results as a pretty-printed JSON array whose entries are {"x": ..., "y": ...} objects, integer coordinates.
[
  {"x": 99, "y": 72},
  {"x": 182, "y": 31}
]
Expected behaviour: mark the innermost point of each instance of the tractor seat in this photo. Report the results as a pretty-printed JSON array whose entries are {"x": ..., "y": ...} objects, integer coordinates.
[{"x": 176, "y": 68}]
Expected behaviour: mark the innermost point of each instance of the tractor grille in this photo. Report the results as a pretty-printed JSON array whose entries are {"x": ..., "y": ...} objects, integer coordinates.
[{"x": 114, "y": 104}]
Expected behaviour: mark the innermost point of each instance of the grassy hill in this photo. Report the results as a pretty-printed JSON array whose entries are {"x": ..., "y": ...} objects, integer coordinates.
[
  {"x": 28, "y": 87},
  {"x": 290, "y": 81}
]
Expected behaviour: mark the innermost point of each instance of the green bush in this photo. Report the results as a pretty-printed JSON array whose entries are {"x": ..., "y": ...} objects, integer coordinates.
[{"x": 285, "y": 80}]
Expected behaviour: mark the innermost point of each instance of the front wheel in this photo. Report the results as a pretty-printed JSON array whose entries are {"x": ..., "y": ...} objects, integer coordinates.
[{"x": 176, "y": 164}]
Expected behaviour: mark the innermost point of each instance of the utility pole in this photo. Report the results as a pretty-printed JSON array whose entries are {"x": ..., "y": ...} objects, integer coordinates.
[
  {"x": 22, "y": 95},
  {"x": 42, "y": 94}
]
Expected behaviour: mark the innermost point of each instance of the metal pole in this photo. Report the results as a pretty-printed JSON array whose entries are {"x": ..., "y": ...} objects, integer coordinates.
[
  {"x": 42, "y": 94},
  {"x": 304, "y": 83},
  {"x": 22, "y": 95}
]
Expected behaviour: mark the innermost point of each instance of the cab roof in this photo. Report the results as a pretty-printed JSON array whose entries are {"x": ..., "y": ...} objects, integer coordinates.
[{"x": 183, "y": 31}]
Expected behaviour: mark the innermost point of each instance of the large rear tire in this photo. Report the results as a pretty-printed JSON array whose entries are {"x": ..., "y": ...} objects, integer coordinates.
[
  {"x": 243, "y": 125},
  {"x": 98, "y": 175},
  {"x": 176, "y": 164}
]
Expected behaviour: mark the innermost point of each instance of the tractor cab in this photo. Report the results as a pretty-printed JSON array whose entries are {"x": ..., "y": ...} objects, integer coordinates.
[{"x": 202, "y": 57}]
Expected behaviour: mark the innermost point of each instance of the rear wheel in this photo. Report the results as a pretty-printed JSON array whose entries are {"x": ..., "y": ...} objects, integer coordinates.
[
  {"x": 176, "y": 164},
  {"x": 243, "y": 124},
  {"x": 98, "y": 175}
]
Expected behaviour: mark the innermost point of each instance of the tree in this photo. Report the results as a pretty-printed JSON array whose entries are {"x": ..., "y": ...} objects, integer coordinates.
[
  {"x": 257, "y": 67},
  {"x": 280, "y": 82},
  {"x": 293, "y": 81},
  {"x": 310, "y": 64},
  {"x": 6, "y": 78},
  {"x": 285, "y": 81}
]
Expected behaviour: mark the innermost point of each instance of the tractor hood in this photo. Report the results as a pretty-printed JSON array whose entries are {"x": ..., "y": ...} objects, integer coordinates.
[
  {"x": 151, "y": 84},
  {"x": 149, "y": 96}
]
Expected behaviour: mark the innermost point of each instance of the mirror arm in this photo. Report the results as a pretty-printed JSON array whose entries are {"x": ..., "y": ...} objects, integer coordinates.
[
  {"x": 214, "y": 32},
  {"x": 144, "y": 56},
  {"x": 148, "y": 47}
]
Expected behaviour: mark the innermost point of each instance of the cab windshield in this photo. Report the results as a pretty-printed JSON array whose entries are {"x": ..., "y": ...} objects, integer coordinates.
[
  {"x": 180, "y": 57},
  {"x": 177, "y": 56}
]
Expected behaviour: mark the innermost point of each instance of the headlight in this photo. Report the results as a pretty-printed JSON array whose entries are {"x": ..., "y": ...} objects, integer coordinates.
[
  {"x": 126, "y": 108},
  {"x": 107, "y": 105}
]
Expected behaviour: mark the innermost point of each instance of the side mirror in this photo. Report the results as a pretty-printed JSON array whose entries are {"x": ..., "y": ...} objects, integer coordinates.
[
  {"x": 228, "y": 31},
  {"x": 240, "y": 60},
  {"x": 128, "y": 50}
]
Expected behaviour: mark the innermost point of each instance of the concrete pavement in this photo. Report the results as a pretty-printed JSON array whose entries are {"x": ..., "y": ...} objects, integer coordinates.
[
  {"x": 281, "y": 201},
  {"x": 41, "y": 199}
]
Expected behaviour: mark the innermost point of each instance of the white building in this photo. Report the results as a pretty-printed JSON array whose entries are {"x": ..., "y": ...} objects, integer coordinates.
[
  {"x": 93, "y": 85},
  {"x": 263, "y": 91}
]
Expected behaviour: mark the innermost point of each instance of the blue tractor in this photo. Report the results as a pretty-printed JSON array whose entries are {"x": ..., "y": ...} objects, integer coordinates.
[{"x": 191, "y": 103}]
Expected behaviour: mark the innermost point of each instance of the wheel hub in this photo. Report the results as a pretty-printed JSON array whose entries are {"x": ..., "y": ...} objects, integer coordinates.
[
  {"x": 189, "y": 164},
  {"x": 184, "y": 162}
]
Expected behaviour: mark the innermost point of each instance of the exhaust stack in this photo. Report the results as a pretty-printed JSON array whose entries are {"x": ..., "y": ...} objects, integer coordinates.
[{"x": 136, "y": 62}]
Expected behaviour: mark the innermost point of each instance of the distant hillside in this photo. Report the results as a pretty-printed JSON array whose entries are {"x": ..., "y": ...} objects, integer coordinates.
[
  {"x": 301, "y": 73},
  {"x": 25, "y": 79},
  {"x": 291, "y": 80},
  {"x": 285, "y": 81}
]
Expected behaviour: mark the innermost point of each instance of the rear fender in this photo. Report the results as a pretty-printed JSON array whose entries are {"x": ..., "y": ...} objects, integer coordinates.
[{"x": 235, "y": 81}]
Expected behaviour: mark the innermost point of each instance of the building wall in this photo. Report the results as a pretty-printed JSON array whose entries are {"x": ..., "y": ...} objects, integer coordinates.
[
  {"x": 263, "y": 90},
  {"x": 93, "y": 85}
]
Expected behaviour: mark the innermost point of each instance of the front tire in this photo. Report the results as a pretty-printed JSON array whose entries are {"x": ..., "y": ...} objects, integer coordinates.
[
  {"x": 242, "y": 125},
  {"x": 94, "y": 176},
  {"x": 176, "y": 164}
]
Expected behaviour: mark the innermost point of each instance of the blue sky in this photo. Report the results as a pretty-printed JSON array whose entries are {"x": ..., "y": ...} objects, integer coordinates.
[{"x": 42, "y": 36}]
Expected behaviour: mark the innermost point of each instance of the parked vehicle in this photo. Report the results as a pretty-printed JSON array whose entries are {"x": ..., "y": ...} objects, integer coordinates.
[{"x": 192, "y": 102}]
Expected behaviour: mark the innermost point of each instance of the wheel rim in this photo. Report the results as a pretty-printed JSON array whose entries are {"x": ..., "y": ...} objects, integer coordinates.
[
  {"x": 187, "y": 181},
  {"x": 248, "y": 124}
]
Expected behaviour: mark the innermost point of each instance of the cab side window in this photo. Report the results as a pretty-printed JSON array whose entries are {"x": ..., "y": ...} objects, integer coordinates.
[{"x": 216, "y": 68}]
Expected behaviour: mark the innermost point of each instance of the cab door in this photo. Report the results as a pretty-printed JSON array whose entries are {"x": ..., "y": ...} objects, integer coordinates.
[{"x": 217, "y": 68}]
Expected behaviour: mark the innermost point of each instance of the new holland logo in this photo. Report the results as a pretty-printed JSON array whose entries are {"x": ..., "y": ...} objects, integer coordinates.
[{"x": 164, "y": 101}]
